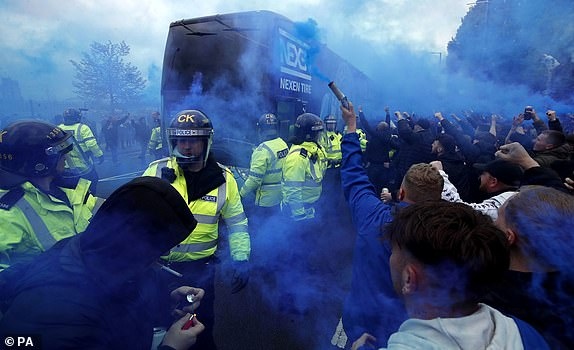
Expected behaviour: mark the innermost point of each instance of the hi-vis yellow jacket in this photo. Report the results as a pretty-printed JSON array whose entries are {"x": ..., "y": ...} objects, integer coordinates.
[
  {"x": 331, "y": 143},
  {"x": 154, "y": 143},
  {"x": 362, "y": 138},
  {"x": 32, "y": 221},
  {"x": 85, "y": 139},
  {"x": 223, "y": 201},
  {"x": 303, "y": 172},
  {"x": 265, "y": 172}
]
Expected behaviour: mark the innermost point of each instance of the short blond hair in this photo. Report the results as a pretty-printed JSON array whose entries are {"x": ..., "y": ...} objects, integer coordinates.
[{"x": 422, "y": 182}]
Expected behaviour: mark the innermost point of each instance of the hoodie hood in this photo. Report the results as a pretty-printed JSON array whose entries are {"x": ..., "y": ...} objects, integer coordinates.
[
  {"x": 487, "y": 328},
  {"x": 100, "y": 279},
  {"x": 138, "y": 223}
]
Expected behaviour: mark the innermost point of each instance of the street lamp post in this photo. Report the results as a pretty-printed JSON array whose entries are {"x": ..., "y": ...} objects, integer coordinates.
[{"x": 439, "y": 55}]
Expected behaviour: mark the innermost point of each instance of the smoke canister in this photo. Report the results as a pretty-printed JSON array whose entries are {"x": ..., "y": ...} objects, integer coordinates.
[{"x": 339, "y": 94}]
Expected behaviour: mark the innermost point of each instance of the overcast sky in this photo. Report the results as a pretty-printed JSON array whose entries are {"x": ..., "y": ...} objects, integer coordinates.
[{"x": 39, "y": 37}]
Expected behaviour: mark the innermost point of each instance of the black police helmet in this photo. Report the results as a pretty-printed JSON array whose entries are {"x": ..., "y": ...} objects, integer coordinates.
[
  {"x": 32, "y": 148},
  {"x": 307, "y": 127},
  {"x": 268, "y": 125},
  {"x": 190, "y": 124},
  {"x": 72, "y": 116}
]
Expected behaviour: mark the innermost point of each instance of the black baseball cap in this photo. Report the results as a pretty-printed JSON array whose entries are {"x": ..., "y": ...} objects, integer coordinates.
[{"x": 504, "y": 171}]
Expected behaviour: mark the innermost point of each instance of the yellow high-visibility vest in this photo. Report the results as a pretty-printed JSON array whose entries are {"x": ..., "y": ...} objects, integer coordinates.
[
  {"x": 266, "y": 172},
  {"x": 303, "y": 173},
  {"x": 222, "y": 202}
]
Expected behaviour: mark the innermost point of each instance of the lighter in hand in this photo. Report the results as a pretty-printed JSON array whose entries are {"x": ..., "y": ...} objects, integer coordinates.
[{"x": 189, "y": 323}]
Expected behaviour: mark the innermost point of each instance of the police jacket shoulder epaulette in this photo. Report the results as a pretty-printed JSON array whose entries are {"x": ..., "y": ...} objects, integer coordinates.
[
  {"x": 225, "y": 169},
  {"x": 164, "y": 160},
  {"x": 10, "y": 198},
  {"x": 303, "y": 152}
]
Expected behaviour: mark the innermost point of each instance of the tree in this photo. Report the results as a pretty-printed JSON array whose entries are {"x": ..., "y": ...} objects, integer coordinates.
[
  {"x": 497, "y": 41},
  {"x": 102, "y": 75}
]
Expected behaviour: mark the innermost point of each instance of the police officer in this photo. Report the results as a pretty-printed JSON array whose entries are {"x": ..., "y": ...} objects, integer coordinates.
[
  {"x": 330, "y": 140},
  {"x": 303, "y": 173},
  {"x": 87, "y": 144},
  {"x": 332, "y": 195},
  {"x": 35, "y": 212},
  {"x": 155, "y": 145},
  {"x": 266, "y": 169},
  {"x": 304, "y": 169},
  {"x": 211, "y": 193}
]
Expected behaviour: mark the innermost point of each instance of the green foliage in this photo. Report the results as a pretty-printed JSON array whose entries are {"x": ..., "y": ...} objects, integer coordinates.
[
  {"x": 102, "y": 76},
  {"x": 506, "y": 41}
]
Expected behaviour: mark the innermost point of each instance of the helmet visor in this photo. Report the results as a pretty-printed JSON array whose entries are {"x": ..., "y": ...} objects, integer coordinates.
[
  {"x": 190, "y": 146},
  {"x": 317, "y": 127},
  {"x": 331, "y": 125},
  {"x": 178, "y": 133},
  {"x": 63, "y": 147},
  {"x": 191, "y": 151}
]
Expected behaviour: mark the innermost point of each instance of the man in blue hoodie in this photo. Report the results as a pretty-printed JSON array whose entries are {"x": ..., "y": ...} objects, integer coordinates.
[{"x": 369, "y": 286}]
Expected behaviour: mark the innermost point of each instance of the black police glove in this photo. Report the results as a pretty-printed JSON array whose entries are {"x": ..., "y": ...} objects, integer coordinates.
[
  {"x": 168, "y": 174},
  {"x": 240, "y": 276}
]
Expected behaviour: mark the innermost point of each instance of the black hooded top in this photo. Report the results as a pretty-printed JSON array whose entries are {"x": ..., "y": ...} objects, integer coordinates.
[{"x": 97, "y": 289}]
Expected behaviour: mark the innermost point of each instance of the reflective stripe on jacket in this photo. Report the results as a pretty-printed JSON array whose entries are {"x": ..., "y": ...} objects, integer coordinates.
[
  {"x": 265, "y": 172},
  {"x": 37, "y": 221},
  {"x": 85, "y": 139},
  {"x": 155, "y": 139},
  {"x": 362, "y": 138},
  {"x": 303, "y": 172},
  {"x": 223, "y": 201},
  {"x": 331, "y": 143}
]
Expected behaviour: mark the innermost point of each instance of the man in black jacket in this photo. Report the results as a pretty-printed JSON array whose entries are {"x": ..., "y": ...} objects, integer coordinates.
[
  {"x": 98, "y": 289},
  {"x": 454, "y": 165},
  {"x": 376, "y": 155},
  {"x": 415, "y": 146}
]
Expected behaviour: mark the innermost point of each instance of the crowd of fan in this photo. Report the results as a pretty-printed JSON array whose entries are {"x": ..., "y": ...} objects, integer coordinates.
[
  {"x": 461, "y": 142},
  {"x": 463, "y": 240},
  {"x": 520, "y": 174}
]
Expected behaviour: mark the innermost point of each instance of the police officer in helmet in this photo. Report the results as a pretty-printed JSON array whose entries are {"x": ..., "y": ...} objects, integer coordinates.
[
  {"x": 330, "y": 140},
  {"x": 268, "y": 127},
  {"x": 261, "y": 192},
  {"x": 304, "y": 168},
  {"x": 303, "y": 173},
  {"x": 330, "y": 123},
  {"x": 36, "y": 210},
  {"x": 190, "y": 137},
  {"x": 212, "y": 194},
  {"x": 88, "y": 152},
  {"x": 266, "y": 167},
  {"x": 155, "y": 146}
]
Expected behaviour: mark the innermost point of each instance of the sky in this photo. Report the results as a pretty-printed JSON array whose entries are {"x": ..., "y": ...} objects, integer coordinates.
[{"x": 40, "y": 37}]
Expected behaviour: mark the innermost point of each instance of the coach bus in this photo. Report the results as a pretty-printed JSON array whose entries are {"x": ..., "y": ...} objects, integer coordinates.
[{"x": 235, "y": 67}]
